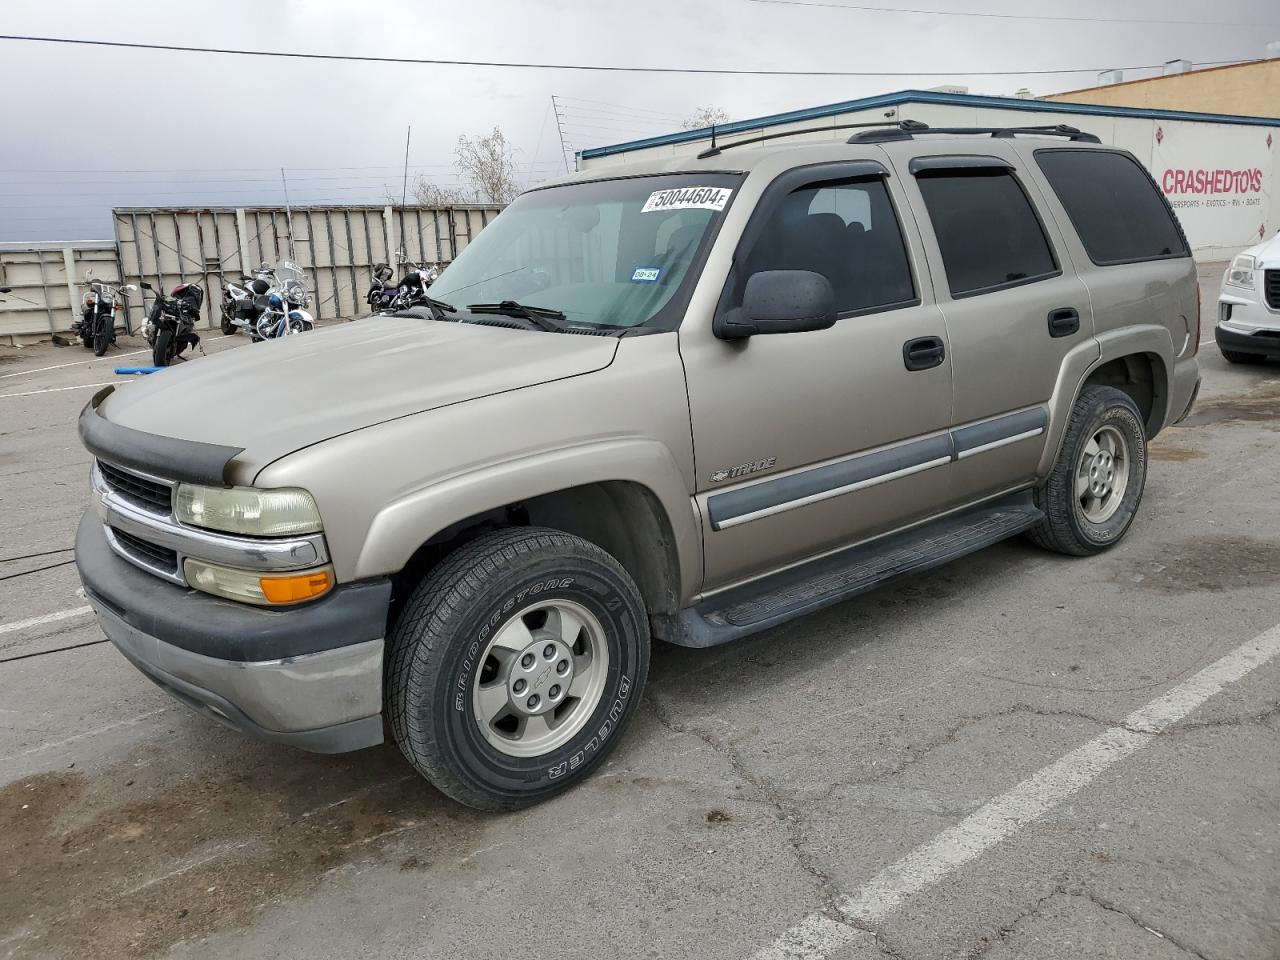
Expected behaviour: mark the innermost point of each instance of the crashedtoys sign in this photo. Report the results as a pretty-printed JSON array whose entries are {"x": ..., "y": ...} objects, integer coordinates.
[{"x": 1218, "y": 178}]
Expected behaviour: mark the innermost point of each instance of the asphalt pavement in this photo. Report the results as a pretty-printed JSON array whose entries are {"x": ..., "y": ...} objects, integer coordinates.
[{"x": 1018, "y": 755}]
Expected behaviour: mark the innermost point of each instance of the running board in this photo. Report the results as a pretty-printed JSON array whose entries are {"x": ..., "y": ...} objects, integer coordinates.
[{"x": 742, "y": 611}]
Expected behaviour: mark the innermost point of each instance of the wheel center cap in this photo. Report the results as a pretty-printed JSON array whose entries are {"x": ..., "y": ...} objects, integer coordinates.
[
  {"x": 540, "y": 677},
  {"x": 1101, "y": 473}
]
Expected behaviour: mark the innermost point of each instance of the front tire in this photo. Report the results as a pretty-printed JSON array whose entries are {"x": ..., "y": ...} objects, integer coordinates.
[
  {"x": 1092, "y": 494},
  {"x": 101, "y": 339},
  {"x": 160, "y": 351},
  {"x": 514, "y": 665}
]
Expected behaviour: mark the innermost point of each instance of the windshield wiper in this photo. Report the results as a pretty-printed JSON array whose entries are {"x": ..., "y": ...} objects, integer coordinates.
[
  {"x": 544, "y": 317},
  {"x": 439, "y": 308}
]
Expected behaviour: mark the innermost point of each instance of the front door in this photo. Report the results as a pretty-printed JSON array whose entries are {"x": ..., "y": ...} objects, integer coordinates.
[{"x": 808, "y": 441}]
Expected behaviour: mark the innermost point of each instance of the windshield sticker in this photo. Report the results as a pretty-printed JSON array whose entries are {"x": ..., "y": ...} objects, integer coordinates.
[
  {"x": 688, "y": 198},
  {"x": 646, "y": 275}
]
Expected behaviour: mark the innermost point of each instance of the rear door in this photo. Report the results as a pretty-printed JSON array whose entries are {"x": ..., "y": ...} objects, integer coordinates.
[
  {"x": 807, "y": 441},
  {"x": 1014, "y": 304}
]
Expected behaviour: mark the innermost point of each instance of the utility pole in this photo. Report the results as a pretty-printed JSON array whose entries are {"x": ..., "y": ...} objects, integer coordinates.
[
  {"x": 288, "y": 215},
  {"x": 404, "y": 189},
  {"x": 564, "y": 154}
]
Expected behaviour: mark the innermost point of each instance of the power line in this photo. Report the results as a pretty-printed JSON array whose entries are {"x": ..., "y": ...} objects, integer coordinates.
[
  {"x": 603, "y": 68},
  {"x": 1003, "y": 16}
]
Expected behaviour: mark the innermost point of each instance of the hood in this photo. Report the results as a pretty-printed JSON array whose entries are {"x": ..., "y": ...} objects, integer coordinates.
[
  {"x": 1266, "y": 253},
  {"x": 275, "y": 397}
]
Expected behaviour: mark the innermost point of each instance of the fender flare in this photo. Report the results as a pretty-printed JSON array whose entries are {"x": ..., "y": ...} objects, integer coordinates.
[
  {"x": 1079, "y": 365},
  {"x": 404, "y": 525}
]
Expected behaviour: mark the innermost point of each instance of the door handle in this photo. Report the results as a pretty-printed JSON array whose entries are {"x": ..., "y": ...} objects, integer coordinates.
[
  {"x": 1064, "y": 321},
  {"x": 922, "y": 353}
]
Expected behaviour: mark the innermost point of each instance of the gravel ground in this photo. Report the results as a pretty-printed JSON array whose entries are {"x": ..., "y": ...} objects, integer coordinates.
[{"x": 951, "y": 767}]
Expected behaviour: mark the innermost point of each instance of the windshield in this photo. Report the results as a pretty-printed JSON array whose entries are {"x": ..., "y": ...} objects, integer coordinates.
[
  {"x": 612, "y": 253},
  {"x": 288, "y": 270}
]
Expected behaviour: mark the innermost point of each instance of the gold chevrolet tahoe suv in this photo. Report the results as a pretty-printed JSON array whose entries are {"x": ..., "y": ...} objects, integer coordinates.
[{"x": 686, "y": 399}]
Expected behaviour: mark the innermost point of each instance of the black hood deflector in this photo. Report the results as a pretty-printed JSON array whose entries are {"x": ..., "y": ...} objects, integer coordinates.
[{"x": 167, "y": 457}]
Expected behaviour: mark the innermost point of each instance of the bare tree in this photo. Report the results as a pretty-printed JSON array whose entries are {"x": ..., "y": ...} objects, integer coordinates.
[
  {"x": 488, "y": 164},
  {"x": 428, "y": 194},
  {"x": 705, "y": 117}
]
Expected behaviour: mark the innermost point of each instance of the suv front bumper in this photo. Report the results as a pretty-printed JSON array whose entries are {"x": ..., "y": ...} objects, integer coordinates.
[
  {"x": 309, "y": 676},
  {"x": 1258, "y": 343},
  {"x": 1247, "y": 325}
]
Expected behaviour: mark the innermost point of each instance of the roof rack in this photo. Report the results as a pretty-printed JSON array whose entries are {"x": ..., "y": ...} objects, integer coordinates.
[
  {"x": 883, "y": 131},
  {"x": 716, "y": 149},
  {"x": 907, "y": 129}
]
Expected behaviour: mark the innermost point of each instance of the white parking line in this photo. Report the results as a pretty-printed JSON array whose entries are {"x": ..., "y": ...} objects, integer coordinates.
[
  {"x": 818, "y": 936},
  {"x": 42, "y": 620},
  {"x": 81, "y": 386},
  {"x": 78, "y": 363},
  {"x": 74, "y": 363}
]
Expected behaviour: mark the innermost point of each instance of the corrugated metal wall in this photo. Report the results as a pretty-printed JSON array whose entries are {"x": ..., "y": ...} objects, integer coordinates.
[
  {"x": 336, "y": 246},
  {"x": 46, "y": 279}
]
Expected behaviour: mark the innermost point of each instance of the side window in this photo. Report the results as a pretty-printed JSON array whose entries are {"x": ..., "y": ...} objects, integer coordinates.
[
  {"x": 987, "y": 230},
  {"x": 1115, "y": 207},
  {"x": 848, "y": 232}
]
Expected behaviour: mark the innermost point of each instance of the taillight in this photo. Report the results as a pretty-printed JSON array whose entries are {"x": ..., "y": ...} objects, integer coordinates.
[{"x": 1196, "y": 348}]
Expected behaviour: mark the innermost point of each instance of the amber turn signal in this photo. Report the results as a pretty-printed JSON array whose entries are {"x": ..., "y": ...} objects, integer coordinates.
[{"x": 297, "y": 588}]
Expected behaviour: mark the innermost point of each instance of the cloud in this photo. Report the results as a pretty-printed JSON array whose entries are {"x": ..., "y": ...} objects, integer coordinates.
[{"x": 217, "y": 129}]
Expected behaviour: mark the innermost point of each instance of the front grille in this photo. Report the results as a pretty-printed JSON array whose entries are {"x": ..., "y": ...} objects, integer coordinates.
[
  {"x": 1271, "y": 288},
  {"x": 150, "y": 554},
  {"x": 136, "y": 488}
]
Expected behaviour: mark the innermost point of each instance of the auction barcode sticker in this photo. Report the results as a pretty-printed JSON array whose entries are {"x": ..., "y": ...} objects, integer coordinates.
[{"x": 688, "y": 198}]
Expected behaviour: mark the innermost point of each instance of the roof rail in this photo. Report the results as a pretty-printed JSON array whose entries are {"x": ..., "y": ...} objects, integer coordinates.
[
  {"x": 908, "y": 128},
  {"x": 716, "y": 149}
]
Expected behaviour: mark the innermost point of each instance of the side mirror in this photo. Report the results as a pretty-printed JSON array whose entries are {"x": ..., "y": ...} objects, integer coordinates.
[
  {"x": 131, "y": 287},
  {"x": 780, "y": 301},
  {"x": 147, "y": 286}
]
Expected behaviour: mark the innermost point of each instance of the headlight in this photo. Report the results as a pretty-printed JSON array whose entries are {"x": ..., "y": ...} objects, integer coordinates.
[
  {"x": 1240, "y": 273},
  {"x": 248, "y": 510},
  {"x": 258, "y": 588}
]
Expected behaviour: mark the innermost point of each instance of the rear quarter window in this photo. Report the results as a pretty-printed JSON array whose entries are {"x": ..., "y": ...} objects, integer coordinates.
[{"x": 1114, "y": 205}]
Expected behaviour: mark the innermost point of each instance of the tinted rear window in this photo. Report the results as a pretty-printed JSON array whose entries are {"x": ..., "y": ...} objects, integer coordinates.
[
  {"x": 988, "y": 233},
  {"x": 1114, "y": 206}
]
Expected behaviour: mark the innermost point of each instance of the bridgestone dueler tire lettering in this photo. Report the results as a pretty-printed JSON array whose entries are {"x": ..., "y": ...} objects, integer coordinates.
[
  {"x": 1065, "y": 528},
  {"x": 442, "y": 631}
]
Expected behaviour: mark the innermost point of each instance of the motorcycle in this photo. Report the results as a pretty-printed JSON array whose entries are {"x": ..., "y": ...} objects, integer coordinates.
[
  {"x": 284, "y": 312},
  {"x": 410, "y": 291},
  {"x": 381, "y": 293},
  {"x": 171, "y": 321},
  {"x": 97, "y": 325},
  {"x": 245, "y": 300}
]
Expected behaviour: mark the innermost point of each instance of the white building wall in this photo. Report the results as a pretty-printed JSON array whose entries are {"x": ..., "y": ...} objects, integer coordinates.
[{"x": 1218, "y": 222}]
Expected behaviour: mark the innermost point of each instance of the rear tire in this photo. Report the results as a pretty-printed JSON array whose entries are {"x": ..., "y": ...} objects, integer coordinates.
[
  {"x": 160, "y": 352},
  {"x": 484, "y": 660},
  {"x": 1092, "y": 494}
]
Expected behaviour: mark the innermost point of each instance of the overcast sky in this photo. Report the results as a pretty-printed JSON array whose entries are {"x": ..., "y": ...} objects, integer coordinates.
[{"x": 204, "y": 128}]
